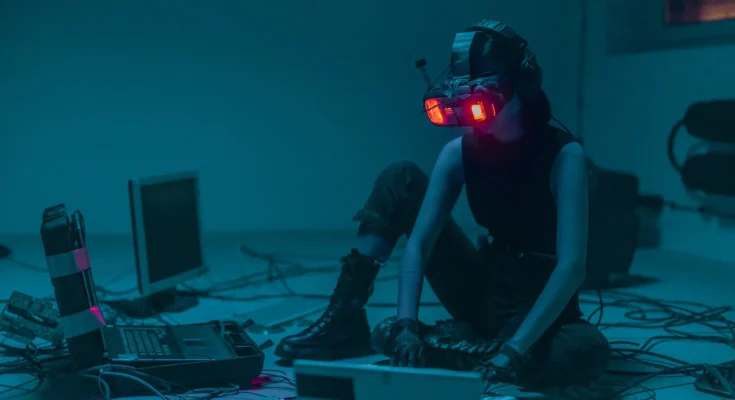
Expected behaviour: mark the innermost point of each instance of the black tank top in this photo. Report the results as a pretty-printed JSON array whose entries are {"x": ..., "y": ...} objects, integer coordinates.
[{"x": 509, "y": 190}]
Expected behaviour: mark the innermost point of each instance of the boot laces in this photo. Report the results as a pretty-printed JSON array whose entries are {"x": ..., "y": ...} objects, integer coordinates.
[{"x": 344, "y": 291}]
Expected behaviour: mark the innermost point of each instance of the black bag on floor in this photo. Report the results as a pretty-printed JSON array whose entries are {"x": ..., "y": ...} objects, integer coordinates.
[{"x": 613, "y": 233}]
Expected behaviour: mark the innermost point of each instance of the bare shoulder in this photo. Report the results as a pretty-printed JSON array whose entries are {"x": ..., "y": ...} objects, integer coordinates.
[
  {"x": 572, "y": 155},
  {"x": 572, "y": 149},
  {"x": 570, "y": 166},
  {"x": 454, "y": 146},
  {"x": 452, "y": 151},
  {"x": 450, "y": 159}
]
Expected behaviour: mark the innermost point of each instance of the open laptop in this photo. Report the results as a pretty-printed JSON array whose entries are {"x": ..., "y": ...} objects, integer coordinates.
[
  {"x": 165, "y": 344},
  {"x": 338, "y": 381},
  {"x": 168, "y": 248}
]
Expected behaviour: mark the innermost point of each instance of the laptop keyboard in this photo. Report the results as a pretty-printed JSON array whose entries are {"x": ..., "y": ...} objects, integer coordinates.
[{"x": 146, "y": 342}]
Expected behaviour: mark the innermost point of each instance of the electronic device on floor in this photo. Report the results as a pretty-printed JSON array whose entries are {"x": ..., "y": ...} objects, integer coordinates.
[
  {"x": 337, "y": 381},
  {"x": 718, "y": 380},
  {"x": 168, "y": 251},
  {"x": 164, "y": 343},
  {"x": 165, "y": 217},
  {"x": 613, "y": 229},
  {"x": 196, "y": 355},
  {"x": 26, "y": 318},
  {"x": 214, "y": 354}
]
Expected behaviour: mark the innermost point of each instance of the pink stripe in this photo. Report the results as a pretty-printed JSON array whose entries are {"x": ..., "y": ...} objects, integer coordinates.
[
  {"x": 81, "y": 258},
  {"x": 97, "y": 313}
]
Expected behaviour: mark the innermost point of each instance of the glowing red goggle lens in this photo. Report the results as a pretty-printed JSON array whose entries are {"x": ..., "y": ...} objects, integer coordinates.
[{"x": 463, "y": 113}]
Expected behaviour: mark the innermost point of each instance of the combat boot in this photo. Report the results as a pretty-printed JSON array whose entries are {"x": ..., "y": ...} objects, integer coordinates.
[{"x": 342, "y": 331}]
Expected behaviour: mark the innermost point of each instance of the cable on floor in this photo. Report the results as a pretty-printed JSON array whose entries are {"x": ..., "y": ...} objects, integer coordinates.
[{"x": 640, "y": 312}]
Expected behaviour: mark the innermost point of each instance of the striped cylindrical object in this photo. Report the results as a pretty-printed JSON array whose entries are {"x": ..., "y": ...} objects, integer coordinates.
[{"x": 68, "y": 264}]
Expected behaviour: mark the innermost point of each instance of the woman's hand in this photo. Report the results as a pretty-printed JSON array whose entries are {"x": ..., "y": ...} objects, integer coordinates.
[
  {"x": 497, "y": 370},
  {"x": 500, "y": 368},
  {"x": 407, "y": 346},
  {"x": 500, "y": 361}
]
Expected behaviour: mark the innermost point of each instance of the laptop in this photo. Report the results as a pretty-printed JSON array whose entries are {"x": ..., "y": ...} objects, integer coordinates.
[
  {"x": 317, "y": 380},
  {"x": 166, "y": 344}
]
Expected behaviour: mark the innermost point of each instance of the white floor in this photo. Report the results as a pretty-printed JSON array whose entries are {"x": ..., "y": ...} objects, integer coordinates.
[{"x": 682, "y": 277}]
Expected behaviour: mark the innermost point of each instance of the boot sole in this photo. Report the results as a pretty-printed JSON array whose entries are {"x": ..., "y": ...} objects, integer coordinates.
[{"x": 348, "y": 349}]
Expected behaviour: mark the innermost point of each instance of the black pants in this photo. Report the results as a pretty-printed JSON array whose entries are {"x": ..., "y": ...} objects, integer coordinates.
[{"x": 488, "y": 290}]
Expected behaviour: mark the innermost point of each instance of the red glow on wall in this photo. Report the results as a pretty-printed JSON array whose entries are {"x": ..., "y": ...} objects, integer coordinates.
[{"x": 682, "y": 12}]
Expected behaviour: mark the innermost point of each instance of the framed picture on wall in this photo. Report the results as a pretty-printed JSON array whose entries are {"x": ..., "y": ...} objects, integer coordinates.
[
  {"x": 688, "y": 12},
  {"x": 648, "y": 25}
]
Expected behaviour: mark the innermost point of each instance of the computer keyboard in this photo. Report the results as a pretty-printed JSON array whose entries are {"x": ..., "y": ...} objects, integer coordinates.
[{"x": 147, "y": 342}]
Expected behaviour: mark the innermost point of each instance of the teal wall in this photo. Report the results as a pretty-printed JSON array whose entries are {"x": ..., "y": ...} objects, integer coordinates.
[{"x": 287, "y": 109}]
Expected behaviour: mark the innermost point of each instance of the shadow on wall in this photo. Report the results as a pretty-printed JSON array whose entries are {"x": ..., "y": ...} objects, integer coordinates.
[
  {"x": 634, "y": 96},
  {"x": 706, "y": 172}
]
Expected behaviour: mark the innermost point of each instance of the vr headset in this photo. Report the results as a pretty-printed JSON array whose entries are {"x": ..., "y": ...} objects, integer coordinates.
[{"x": 475, "y": 91}]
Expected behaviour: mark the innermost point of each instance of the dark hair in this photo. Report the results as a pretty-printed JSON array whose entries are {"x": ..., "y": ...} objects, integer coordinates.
[{"x": 536, "y": 112}]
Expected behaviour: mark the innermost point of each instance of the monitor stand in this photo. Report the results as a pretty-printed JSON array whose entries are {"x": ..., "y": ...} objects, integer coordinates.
[{"x": 167, "y": 301}]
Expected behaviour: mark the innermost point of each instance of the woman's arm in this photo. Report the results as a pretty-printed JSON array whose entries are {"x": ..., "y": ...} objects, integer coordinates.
[
  {"x": 444, "y": 188},
  {"x": 570, "y": 188}
]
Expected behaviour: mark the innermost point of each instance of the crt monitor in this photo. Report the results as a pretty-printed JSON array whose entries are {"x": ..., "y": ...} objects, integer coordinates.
[{"x": 167, "y": 240}]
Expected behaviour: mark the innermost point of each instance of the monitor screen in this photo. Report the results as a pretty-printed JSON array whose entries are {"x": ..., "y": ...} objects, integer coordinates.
[
  {"x": 170, "y": 214},
  {"x": 687, "y": 12}
]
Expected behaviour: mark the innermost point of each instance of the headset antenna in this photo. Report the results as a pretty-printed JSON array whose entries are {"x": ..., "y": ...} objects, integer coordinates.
[{"x": 421, "y": 64}]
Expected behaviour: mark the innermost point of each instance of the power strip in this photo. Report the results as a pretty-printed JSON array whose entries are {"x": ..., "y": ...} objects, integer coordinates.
[{"x": 718, "y": 380}]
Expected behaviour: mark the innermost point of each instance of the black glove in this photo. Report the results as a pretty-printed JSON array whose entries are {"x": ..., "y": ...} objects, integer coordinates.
[
  {"x": 502, "y": 374},
  {"x": 407, "y": 346},
  {"x": 495, "y": 374}
]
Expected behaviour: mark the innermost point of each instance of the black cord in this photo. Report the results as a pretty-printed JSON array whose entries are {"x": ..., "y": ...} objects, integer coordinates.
[
  {"x": 29, "y": 361},
  {"x": 644, "y": 313},
  {"x": 275, "y": 263},
  {"x": 647, "y": 313},
  {"x": 25, "y": 354},
  {"x": 671, "y": 146},
  {"x": 598, "y": 311},
  {"x": 639, "y": 312},
  {"x": 26, "y": 265},
  {"x": 561, "y": 124}
]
